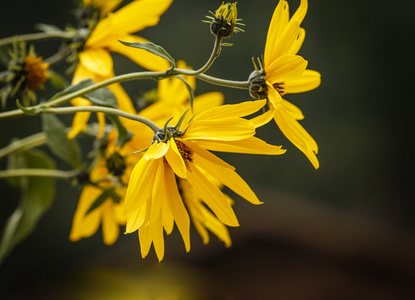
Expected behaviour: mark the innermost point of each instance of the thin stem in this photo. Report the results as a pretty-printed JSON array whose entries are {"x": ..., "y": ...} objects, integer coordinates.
[
  {"x": 24, "y": 144},
  {"x": 106, "y": 110},
  {"x": 37, "y": 37},
  {"x": 38, "y": 173},
  {"x": 224, "y": 82}
]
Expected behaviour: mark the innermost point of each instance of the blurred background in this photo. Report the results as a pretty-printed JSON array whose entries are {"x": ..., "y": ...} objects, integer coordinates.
[{"x": 345, "y": 231}]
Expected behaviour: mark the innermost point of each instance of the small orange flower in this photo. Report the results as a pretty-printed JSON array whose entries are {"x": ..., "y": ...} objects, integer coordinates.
[{"x": 36, "y": 71}]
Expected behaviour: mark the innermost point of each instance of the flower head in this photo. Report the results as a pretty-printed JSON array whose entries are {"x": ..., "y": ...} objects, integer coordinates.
[
  {"x": 26, "y": 73},
  {"x": 283, "y": 72},
  {"x": 224, "y": 20},
  {"x": 153, "y": 200}
]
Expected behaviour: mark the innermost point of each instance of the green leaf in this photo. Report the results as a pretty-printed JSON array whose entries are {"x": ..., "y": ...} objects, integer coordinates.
[
  {"x": 57, "y": 80},
  {"x": 59, "y": 144},
  {"x": 100, "y": 199},
  {"x": 124, "y": 135},
  {"x": 101, "y": 97},
  {"x": 4, "y": 56},
  {"x": 36, "y": 198},
  {"x": 189, "y": 89},
  {"x": 152, "y": 48}
]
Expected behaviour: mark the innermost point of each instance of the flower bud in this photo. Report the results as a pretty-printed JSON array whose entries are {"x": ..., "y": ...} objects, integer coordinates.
[{"x": 223, "y": 24}]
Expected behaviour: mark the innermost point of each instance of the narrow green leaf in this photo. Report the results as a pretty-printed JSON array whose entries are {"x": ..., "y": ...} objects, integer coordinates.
[
  {"x": 47, "y": 28},
  {"x": 152, "y": 48},
  {"x": 59, "y": 144},
  {"x": 4, "y": 56},
  {"x": 189, "y": 89},
  {"x": 100, "y": 199},
  {"x": 31, "y": 111},
  {"x": 101, "y": 97},
  {"x": 123, "y": 134},
  {"x": 36, "y": 198}
]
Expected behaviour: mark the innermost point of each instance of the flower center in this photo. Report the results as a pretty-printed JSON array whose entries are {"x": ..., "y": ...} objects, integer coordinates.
[
  {"x": 185, "y": 151},
  {"x": 279, "y": 87},
  {"x": 36, "y": 71},
  {"x": 116, "y": 164}
]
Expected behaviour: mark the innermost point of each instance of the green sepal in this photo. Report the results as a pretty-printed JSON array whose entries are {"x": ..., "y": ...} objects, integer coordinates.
[
  {"x": 152, "y": 48},
  {"x": 36, "y": 198},
  {"x": 59, "y": 144},
  {"x": 100, "y": 200},
  {"x": 101, "y": 97},
  {"x": 124, "y": 135}
]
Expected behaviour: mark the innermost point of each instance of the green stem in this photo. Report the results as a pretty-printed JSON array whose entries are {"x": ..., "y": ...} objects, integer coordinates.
[
  {"x": 224, "y": 82},
  {"x": 24, "y": 144},
  {"x": 106, "y": 110},
  {"x": 37, "y": 37},
  {"x": 38, "y": 173}
]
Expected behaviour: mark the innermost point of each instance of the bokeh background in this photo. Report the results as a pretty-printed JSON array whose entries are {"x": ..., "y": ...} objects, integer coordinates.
[{"x": 345, "y": 231}]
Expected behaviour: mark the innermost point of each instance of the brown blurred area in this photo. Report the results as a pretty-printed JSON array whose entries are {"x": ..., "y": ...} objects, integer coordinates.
[{"x": 345, "y": 231}]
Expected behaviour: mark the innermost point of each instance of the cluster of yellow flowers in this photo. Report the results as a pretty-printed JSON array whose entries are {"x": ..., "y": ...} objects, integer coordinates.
[
  {"x": 166, "y": 176},
  {"x": 177, "y": 176}
]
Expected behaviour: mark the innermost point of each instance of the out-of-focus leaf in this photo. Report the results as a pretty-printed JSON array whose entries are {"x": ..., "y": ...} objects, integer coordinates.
[
  {"x": 101, "y": 199},
  {"x": 36, "y": 198},
  {"x": 189, "y": 89},
  {"x": 123, "y": 134},
  {"x": 152, "y": 48},
  {"x": 47, "y": 27},
  {"x": 4, "y": 56},
  {"x": 57, "y": 80},
  {"x": 59, "y": 144},
  {"x": 101, "y": 97}
]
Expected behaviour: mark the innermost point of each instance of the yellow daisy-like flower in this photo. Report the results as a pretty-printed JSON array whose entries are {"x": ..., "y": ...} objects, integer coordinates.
[
  {"x": 285, "y": 72},
  {"x": 95, "y": 61},
  {"x": 153, "y": 201}
]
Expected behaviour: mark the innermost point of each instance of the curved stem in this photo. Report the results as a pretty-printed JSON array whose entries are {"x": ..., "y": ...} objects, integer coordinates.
[
  {"x": 106, "y": 110},
  {"x": 29, "y": 142},
  {"x": 224, "y": 82},
  {"x": 38, "y": 173},
  {"x": 37, "y": 37}
]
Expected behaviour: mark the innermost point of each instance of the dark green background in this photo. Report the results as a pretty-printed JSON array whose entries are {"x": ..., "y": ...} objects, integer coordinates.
[{"x": 345, "y": 231}]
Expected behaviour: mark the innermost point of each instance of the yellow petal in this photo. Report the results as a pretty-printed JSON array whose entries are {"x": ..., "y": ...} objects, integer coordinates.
[
  {"x": 296, "y": 45},
  {"x": 176, "y": 206},
  {"x": 140, "y": 184},
  {"x": 285, "y": 68},
  {"x": 175, "y": 160},
  {"x": 158, "y": 239},
  {"x": 123, "y": 100},
  {"x": 220, "y": 130},
  {"x": 158, "y": 194},
  {"x": 276, "y": 27},
  {"x": 300, "y": 13},
  {"x": 139, "y": 56},
  {"x": 231, "y": 110},
  {"x": 110, "y": 227},
  {"x": 308, "y": 81},
  {"x": 252, "y": 145},
  {"x": 97, "y": 61},
  {"x": 217, "y": 227},
  {"x": 207, "y": 101},
  {"x": 79, "y": 123},
  {"x": 226, "y": 176},
  {"x": 136, "y": 218},
  {"x": 284, "y": 42},
  {"x": 292, "y": 110},
  {"x": 212, "y": 196},
  {"x": 297, "y": 135},
  {"x": 145, "y": 238},
  {"x": 157, "y": 150},
  {"x": 263, "y": 119}
]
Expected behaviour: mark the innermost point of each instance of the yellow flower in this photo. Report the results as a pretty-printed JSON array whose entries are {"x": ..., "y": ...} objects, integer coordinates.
[
  {"x": 223, "y": 25},
  {"x": 95, "y": 61},
  {"x": 153, "y": 201},
  {"x": 285, "y": 72}
]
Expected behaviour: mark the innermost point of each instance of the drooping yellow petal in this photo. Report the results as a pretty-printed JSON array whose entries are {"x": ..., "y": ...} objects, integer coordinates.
[
  {"x": 212, "y": 196},
  {"x": 176, "y": 206},
  {"x": 207, "y": 101},
  {"x": 140, "y": 184},
  {"x": 273, "y": 96},
  {"x": 79, "y": 123},
  {"x": 139, "y": 56},
  {"x": 285, "y": 68},
  {"x": 97, "y": 61},
  {"x": 308, "y": 81},
  {"x": 157, "y": 150},
  {"x": 292, "y": 110},
  {"x": 175, "y": 160},
  {"x": 158, "y": 239},
  {"x": 158, "y": 194},
  {"x": 297, "y": 134},
  {"x": 136, "y": 218},
  {"x": 231, "y": 110},
  {"x": 221, "y": 130},
  {"x": 124, "y": 102},
  {"x": 145, "y": 238},
  {"x": 252, "y": 145},
  {"x": 225, "y": 175},
  {"x": 264, "y": 118},
  {"x": 110, "y": 227}
]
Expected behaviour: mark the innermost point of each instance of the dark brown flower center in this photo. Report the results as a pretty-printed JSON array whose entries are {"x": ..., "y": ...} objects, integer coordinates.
[{"x": 185, "y": 151}]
